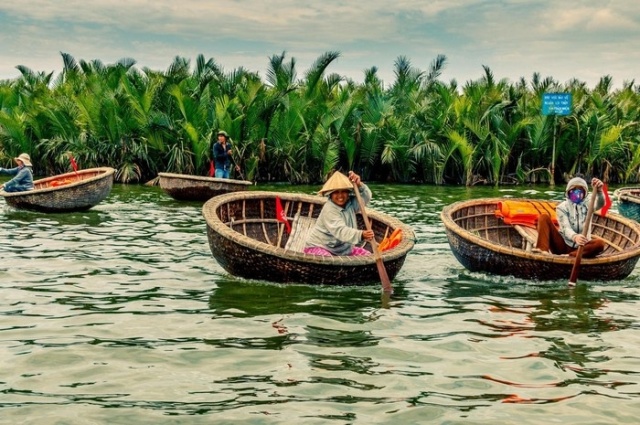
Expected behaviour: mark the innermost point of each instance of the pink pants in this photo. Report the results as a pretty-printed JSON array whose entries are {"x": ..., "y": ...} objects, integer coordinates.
[{"x": 316, "y": 250}]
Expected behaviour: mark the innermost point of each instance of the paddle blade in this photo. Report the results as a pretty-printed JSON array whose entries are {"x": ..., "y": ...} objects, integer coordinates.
[
  {"x": 384, "y": 277},
  {"x": 382, "y": 271},
  {"x": 575, "y": 271}
]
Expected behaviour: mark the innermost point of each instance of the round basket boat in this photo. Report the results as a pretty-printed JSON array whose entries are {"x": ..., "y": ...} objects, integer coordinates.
[
  {"x": 184, "y": 187},
  {"x": 247, "y": 240},
  {"x": 628, "y": 199},
  {"x": 75, "y": 191},
  {"x": 482, "y": 241}
]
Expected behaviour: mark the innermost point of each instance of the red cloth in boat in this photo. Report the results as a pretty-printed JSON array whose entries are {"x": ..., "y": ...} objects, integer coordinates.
[{"x": 525, "y": 213}]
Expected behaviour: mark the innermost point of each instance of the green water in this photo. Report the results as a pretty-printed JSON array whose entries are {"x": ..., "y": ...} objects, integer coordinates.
[{"x": 120, "y": 315}]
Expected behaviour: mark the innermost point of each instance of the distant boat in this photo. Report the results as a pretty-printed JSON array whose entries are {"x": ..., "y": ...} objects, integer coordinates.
[
  {"x": 247, "y": 240},
  {"x": 481, "y": 241},
  {"x": 74, "y": 191},
  {"x": 185, "y": 187},
  {"x": 628, "y": 202}
]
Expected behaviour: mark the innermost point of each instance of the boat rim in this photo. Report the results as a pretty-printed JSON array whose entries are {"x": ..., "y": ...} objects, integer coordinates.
[
  {"x": 216, "y": 225},
  {"x": 105, "y": 172},
  {"x": 205, "y": 179},
  {"x": 625, "y": 194},
  {"x": 452, "y": 226}
]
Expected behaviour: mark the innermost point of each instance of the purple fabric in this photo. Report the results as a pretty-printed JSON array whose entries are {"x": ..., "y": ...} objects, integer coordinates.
[
  {"x": 359, "y": 251},
  {"x": 316, "y": 250},
  {"x": 576, "y": 195}
]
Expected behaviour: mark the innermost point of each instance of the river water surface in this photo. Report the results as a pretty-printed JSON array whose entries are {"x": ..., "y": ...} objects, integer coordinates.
[{"x": 120, "y": 315}]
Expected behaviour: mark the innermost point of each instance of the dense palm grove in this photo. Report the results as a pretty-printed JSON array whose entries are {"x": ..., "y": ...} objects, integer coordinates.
[{"x": 287, "y": 128}]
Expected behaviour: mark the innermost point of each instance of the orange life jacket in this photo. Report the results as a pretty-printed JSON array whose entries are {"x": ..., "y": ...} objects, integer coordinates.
[{"x": 525, "y": 213}]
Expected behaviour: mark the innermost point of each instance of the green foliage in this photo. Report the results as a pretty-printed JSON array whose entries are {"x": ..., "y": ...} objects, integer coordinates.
[{"x": 417, "y": 129}]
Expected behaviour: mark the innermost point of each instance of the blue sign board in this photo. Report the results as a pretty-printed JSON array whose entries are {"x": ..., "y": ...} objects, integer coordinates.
[{"x": 556, "y": 104}]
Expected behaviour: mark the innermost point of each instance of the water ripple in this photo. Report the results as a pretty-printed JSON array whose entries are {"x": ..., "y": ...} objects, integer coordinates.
[{"x": 120, "y": 315}]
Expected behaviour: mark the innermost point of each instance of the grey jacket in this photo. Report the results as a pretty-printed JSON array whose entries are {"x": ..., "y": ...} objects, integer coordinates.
[
  {"x": 571, "y": 217},
  {"x": 336, "y": 227}
]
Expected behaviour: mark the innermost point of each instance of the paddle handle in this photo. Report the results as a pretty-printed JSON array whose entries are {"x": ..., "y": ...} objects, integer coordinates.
[
  {"x": 573, "y": 279},
  {"x": 237, "y": 167},
  {"x": 384, "y": 277}
]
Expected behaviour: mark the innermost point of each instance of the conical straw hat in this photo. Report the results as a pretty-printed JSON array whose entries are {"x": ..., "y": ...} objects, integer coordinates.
[{"x": 337, "y": 181}]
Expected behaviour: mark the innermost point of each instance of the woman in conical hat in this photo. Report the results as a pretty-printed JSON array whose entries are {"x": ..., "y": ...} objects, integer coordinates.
[
  {"x": 23, "y": 179},
  {"x": 336, "y": 231}
]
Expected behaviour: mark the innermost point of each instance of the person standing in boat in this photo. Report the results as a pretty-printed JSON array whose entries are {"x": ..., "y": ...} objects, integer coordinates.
[
  {"x": 335, "y": 231},
  {"x": 571, "y": 214},
  {"x": 23, "y": 179},
  {"x": 222, "y": 155}
]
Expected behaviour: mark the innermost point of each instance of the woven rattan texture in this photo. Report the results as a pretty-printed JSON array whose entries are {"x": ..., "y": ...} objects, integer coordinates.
[
  {"x": 628, "y": 200},
  {"x": 184, "y": 187},
  {"x": 80, "y": 191},
  {"x": 482, "y": 242},
  {"x": 248, "y": 241}
]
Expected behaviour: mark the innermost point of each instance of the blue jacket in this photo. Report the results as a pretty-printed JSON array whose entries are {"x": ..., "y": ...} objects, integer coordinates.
[
  {"x": 22, "y": 181},
  {"x": 221, "y": 158}
]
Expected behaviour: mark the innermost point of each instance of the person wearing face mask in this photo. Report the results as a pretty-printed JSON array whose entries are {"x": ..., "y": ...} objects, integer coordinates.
[
  {"x": 335, "y": 231},
  {"x": 571, "y": 214}
]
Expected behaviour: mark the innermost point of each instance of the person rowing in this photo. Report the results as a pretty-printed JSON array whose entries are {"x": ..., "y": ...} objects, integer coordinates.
[
  {"x": 335, "y": 231},
  {"x": 23, "y": 179},
  {"x": 571, "y": 214},
  {"x": 223, "y": 155}
]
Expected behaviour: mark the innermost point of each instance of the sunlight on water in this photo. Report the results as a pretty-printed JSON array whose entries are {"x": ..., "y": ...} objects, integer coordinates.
[{"x": 120, "y": 315}]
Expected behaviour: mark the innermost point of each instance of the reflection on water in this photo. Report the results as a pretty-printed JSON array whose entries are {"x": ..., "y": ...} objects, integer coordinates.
[{"x": 120, "y": 314}]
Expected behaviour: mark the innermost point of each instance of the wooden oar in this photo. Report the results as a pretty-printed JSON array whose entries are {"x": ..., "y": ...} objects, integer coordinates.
[
  {"x": 384, "y": 277},
  {"x": 573, "y": 279}
]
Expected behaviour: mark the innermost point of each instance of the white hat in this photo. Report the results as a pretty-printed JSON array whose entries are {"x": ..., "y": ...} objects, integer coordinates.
[
  {"x": 24, "y": 158},
  {"x": 577, "y": 182},
  {"x": 337, "y": 181}
]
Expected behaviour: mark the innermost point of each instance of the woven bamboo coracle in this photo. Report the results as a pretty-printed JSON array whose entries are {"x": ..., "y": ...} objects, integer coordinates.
[
  {"x": 483, "y": 242},
  {"x": 248, "y": 241},
  {"x": 184, "y": 187},
  {"x": 628, "y": 199},
  {"x": 75, "y": 191}
]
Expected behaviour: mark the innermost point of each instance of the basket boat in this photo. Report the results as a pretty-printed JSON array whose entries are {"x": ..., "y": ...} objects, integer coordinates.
[
  {"x": 184, "y": 187},
  {"x": 628, "y": 202},
  {"x": 74, "y": 191},
  {"x": 483, "y": 242},
  {"x": 248, "y": 241}
]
